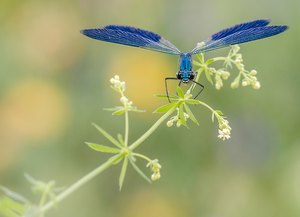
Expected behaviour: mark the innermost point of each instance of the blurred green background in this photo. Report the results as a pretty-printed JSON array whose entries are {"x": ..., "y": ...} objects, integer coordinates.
[{"x": 54, "y": 83}]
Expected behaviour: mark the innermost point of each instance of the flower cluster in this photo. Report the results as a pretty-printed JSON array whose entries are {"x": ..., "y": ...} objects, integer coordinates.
[
  {"x": 117, "y": 84},
  {"x": 224, "y": 129},
  {"x": 177, "y": 119},
  {"x": 126, "y": 101},
  {"x": 120, "y": 87},
  {"x": 216, "y": 76},
  {"x": 155, "y": 168},
  {"x": 219, "y": 75},
  {"x": 180, "y": 104},
  {"x": 249, "y": 78}
]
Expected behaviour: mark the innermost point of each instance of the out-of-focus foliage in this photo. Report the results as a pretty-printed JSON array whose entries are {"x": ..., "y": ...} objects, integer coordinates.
[{"x": 54, "y": 83}]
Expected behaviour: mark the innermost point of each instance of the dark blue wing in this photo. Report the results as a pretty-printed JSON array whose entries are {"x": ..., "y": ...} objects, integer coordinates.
[
  {"x": 237, "y": 37},
  {"x": 132, "y": 36},
  {"x": 239, "y": 27}
]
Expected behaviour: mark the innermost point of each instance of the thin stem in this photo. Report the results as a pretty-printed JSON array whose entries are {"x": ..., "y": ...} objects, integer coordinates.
[
  {"x": 207, "y": 106},
  {"x": 44, "y": 196},
  {"x": 80, "y": 183},
  {"x": 151, "y": 129},
  {"x": 219, "y": 118},
  {"x": 221, "y": 58},
  {"x": 126, "y": 128},
  {"x": 141, "y": 156}
]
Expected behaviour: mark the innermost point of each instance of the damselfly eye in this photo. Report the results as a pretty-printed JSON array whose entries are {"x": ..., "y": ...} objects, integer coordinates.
[{"x": 178, "y": 75}]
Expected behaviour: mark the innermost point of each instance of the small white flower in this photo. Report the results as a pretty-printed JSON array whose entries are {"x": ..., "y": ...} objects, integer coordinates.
[
  {"x": 218, "y": 85},
  {"x": 253, "y": 72},
  {"x": 225, "y": 75},
  {"x": 170, "y": 123},
  {"x": 117, "y": 84},
  {"x": 155, "y": 168},
  {"x": 256, "y": 85},
  {"x": 224, "y": 134},
  {"x": 124, "y": 100},
  {"x": 155, "y": 176},
  {"x": 245, "y": 83}
]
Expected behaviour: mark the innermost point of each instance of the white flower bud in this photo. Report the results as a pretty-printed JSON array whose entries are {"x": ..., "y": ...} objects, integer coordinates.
[
  {"x": 256, "y": 85},
  {"x": 112, "y": 80},
  {"x": 124, "y": 99},
  {"x": 225, "y": 75},
  {"x": 155, "y": 176},
  {"x": 253, "y": 72},
  {"x": 245, "y": 83},
  {"x": 170, "y": 123},
  {"x": 218, "y": 86},
  {"x": 253, "y": 78}
]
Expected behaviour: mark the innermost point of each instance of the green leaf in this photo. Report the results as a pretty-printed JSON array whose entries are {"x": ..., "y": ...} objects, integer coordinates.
[
  {"x": 33, "y": 181},
  {"x": 192, "y": 101},
  {"x": 190, "y": 113},
  {"x": 123, "y": 173},
  {"x": 102, "y": 148},
  {"x": 219, "y": 112},
  {"x": 119, "y": 112},
  {"x": 180, "y": 92},
  {"x": 135, "y": 109},
  {"x": 209, "y": 61},
  {"x": 117, "y": 158},
  {"x": 121, "y": 140},
  {"x": 106, "y": 135},
  {"x": 13, "y": 195},
  {"x": 11, "y": 208},
  {"x": 200, "y": 57},
  {"x": 208, "y": 76},
  {"x": 166, "y": 108},
  {"x": 139, "y": 171},
  {"x": 113, "y": 109}
]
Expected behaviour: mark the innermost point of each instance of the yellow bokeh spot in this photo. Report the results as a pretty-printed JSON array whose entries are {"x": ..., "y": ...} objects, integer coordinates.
[
  {"x": 33, "y": 110},
  {"x": 30, "y": 112},
  {"x": 150, "y": 203},
  {"x": 47, "y": 39},
  {"x": 144, "y": 73}
]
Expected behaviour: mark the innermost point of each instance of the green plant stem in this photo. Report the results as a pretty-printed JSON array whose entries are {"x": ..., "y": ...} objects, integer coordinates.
[
  {"x": 108, "y": 163},
  {"x": 141, "y": 156},
  {"x": 44, "y": 197},
  {"x": 80, "y": 183},
  {"x": 207, "y": 106},
  {"x": 126, "y": 128},
  {"x": 151, "y": 129},
  {"x": 221, "y": 59}
]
